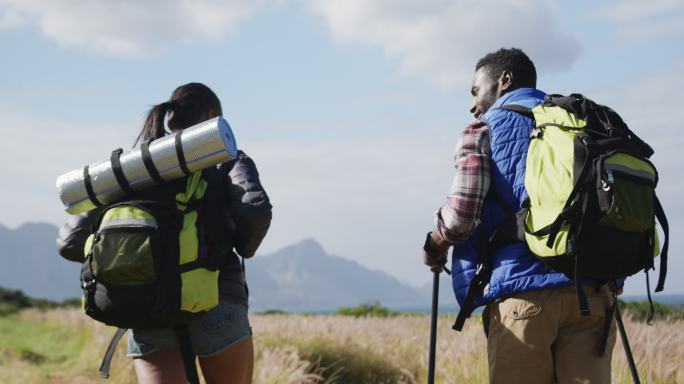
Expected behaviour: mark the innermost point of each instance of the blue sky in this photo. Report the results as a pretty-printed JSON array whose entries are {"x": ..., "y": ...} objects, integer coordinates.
[{"x": 351, "y": 109}]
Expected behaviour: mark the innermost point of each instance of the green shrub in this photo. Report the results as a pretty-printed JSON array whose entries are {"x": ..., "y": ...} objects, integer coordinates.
[
  {"x": 350, "y": 363},
  {"x": 72, "y": 303},
  {"x": 639, "y": 310},
  {"x": 13, "y": 300},
  {"x": 273, "y": 312},
  {"x": 370, "y": 309}
]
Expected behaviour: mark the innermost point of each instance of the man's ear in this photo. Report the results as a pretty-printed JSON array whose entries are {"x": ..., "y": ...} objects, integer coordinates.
[{"x": 506, "y": 81}]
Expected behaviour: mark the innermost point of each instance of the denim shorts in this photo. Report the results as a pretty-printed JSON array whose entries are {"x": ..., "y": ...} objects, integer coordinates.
[{"x": 211, "y": 333}]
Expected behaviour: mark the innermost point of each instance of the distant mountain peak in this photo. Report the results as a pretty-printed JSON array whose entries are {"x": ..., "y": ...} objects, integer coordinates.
[
  {"x": 308, "y": 246},
  {"x": 303, "y": 276},
  {"x": 32, "y": 226}
]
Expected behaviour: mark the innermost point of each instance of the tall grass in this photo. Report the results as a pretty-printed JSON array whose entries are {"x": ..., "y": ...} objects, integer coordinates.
[
  {"x": 64, "y": 346},
  {"x": 658, "y": 351}
]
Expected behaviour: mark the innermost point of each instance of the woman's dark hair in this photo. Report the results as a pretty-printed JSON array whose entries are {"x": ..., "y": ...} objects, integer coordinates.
[
  {"x": 189, "y": 104},
  {"x": 514, "y": 60}
]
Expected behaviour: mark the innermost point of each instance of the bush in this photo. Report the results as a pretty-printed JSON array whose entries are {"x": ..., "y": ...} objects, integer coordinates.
[
  {"x": 342, "y": 362},
  {"x": 71, "y": 303},
  {"x": 373, "y": 309},
  {"x": 273, "y": 312},
  {"x": 12, "y": 300},
  {"x": 639, "y": 310}
]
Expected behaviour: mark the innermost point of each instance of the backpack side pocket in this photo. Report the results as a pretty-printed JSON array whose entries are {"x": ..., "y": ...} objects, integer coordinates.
[
  {"x": 626, "y": 193},
  {"x": 123, "y": 247}
]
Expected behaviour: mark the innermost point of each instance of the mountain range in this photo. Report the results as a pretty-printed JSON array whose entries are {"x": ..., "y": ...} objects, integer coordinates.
[{"x": 299, "y": 277}]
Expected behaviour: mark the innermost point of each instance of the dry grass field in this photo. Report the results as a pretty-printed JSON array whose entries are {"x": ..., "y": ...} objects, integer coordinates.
[{"x": 64, "y": 346}]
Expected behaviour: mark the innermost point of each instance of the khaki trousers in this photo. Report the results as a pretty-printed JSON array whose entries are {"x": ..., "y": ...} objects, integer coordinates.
[{"x": 540, "y": 337}]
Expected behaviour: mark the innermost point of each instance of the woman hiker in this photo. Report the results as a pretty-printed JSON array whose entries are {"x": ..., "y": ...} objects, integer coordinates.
[{"x": 221, "y": 337}]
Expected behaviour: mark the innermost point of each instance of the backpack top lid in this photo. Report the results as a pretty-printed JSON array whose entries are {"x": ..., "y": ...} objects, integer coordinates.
[{"x": 601, "y": 120}]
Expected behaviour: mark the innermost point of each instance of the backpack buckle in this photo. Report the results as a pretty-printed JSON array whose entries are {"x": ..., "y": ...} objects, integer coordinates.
[
  {"x": 88, "y": 284},
  {"x": 479, "y": 269},
  {"x": 587, "y": 140},
  {"x": 482, "y": 274}
]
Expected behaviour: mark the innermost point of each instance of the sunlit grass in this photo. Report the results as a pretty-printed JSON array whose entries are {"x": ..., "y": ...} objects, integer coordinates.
[
  {"x": 56, "y": 346},
  {"x": 64, "y": 346}
]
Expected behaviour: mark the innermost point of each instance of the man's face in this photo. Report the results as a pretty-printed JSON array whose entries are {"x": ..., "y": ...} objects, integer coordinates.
[{"x": 485, "y": 91}]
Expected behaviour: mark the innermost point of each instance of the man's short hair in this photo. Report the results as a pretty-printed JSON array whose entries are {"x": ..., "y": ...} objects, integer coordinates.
[{"x": 514, "y": 60}]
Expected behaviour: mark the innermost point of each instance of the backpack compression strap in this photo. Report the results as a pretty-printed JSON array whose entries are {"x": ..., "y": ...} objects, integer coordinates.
[
  {"x": 182, "y": 163},
  {"x": 188, "y": 353},
  {"x": 149, "y": 164},
  {"x": 581, "y": 296},
  {"x": 107, "y": 360},
  {"x": 118, "y": 172},
  {"x": 660, "y": 215},
  {"x": 89, "y": 187}
]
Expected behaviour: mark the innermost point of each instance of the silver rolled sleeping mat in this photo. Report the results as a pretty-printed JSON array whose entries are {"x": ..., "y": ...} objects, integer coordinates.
[{"x": 168, "y": 158}]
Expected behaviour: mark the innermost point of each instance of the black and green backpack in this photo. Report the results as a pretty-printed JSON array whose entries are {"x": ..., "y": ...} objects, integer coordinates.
[
  {"x": 153, "y": 259},
  {"x": 592, "y": 204}
]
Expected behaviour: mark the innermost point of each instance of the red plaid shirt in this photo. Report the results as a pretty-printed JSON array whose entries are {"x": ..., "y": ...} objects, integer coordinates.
[{"x": 454, "y": 221}]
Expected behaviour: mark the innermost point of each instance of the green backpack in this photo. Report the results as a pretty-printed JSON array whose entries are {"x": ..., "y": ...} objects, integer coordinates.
[
  {"x": 592, "y": 205},
  {"x": 153, "y": 259}
]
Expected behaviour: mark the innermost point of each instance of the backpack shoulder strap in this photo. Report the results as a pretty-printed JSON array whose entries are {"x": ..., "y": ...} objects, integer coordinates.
[
  {"x": 485, "y": 247},
  {"x": 517, "y": 108},
  {"x": 216, "y": 220}
]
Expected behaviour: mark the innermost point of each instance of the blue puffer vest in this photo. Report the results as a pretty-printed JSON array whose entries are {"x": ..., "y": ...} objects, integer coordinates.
[{"x": 514, "y": 268}]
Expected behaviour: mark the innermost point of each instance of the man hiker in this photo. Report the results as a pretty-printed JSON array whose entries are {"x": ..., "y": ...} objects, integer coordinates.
[{"x": 535, "y": 333}]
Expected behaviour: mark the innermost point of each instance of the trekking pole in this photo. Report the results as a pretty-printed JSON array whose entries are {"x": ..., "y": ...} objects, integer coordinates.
[
  {"x": 433, "y": 326},
  {"x": 433, "y": 323},
  {"x": 625, "y": 343}
]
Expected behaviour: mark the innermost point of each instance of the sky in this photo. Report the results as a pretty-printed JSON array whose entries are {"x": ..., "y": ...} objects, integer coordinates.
[{"x": 350, "y": 108}]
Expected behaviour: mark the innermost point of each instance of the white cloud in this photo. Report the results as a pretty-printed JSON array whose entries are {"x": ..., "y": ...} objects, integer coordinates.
[
  {"x": 34, "y": 151},
  {"x": 128, "y": 28},
  {"x": 644, "y": 21},
  {"x": 440, "y": 40}
]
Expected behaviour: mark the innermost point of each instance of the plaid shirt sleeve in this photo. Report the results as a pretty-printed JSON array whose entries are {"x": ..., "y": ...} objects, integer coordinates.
[{"x": 454, "y": 221}]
